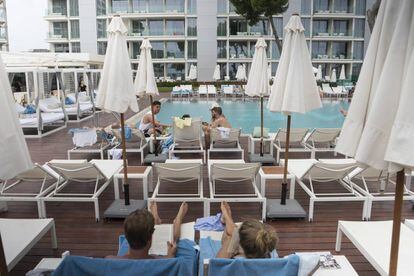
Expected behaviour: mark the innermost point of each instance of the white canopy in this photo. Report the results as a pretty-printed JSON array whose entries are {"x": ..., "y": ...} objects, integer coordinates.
[
  {"x": 333, "y": 75},
  {"x": 216, "y": 75},
  {"x": 14, "y": 155},
  {"x": 116, "y": 88},
  {"x": 258, "y": 81},
  {"x": 24, "y": 59},
  {"x": 294, "y": 88},
  {"x": 145, "y": 83},
  {"x": 379, "y": 127},
  {"x": 315, "y": 70},
  {"x": 342, "y": 74},
  {"x": 319, "y": 73},
  {"x": 192, "y": 74},
  {"x": 241, "y": 72}
]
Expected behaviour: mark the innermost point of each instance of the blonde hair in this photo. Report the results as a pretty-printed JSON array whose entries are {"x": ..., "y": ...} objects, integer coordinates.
[{"x": 257, "y": 239}]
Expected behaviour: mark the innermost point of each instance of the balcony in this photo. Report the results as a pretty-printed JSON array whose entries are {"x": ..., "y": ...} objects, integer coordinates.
[
  {"x": 331, "y": 57},
  {"x": 332, "y": 35},
  {"x": 57, "y": 37},
  {"x": 56, "y": 13}
]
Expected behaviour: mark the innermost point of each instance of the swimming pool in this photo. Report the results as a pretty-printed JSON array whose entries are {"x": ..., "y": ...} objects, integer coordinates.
[{"x": 246, "y": 114}]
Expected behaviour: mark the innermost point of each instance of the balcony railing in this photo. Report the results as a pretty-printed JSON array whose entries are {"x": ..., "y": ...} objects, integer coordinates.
[
  {"x": 333, "y": 11},
  {"x": 333, "y": 56},
  {"x": 332, "y": 34},
  {"x": 56, "y": 11},
  {"x": 167, "y": 10},
  {"x": 51, "y": 35}
]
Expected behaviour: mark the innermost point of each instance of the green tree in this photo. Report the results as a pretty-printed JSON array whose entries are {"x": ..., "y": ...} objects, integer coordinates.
[{"x": 253, "y": 10}]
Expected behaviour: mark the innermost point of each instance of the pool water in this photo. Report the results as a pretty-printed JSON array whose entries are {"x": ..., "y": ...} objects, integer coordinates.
[{"x": 246, "y": 114}]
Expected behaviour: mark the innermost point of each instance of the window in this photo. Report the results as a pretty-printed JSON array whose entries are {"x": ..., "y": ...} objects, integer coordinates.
[
  {"x": 223, "y": 70},
  {"x": 222, "y": 6},
  {"x": 278, "y": 21},
  {"x": 356, "y": 70},
  {"x": 358, "y": 52},
  {"x": 174, "y": 5},
  {"x": 156, "y": 27},
  {"x": 174, "y": 27},
  {"x": 159, "y": 70},
  {"x": 305, "y": 7},
  {"x": 119, "y": 6},
  {"x": 76, "y": 47},
  {"x": 157, "y": 50},
  {"x": 192, "y": 26},
  {"x": 320, "y": 6},
  {"x": 60, "y": 29},
  {"x": 238, "y": 49},
  {"x": 156, "y": 6},
  {"x": 340, "y": 50},
  {"x": 260, "y": 28},
  {"x": 101, "y": 28},
  {"x": 253, "y": 48},
  {"x": 59, "y": 7},
  {"x": 100, "y": 7},
  {"x": 175, "y": 49},
  {"x": 274, "y": 68},
  {"x": 233, "y": 70},
  {"x": 192, "y": 49},
  {"x": 139, "y": 6},
  {"x": 342, "y": 6},
  {"x": 238, "y": 27},
  {"x": 275, "y": 50},
  {"x": 221, "y": 27},
  {"x": 360, "y": 7},
  {"x": 221, "y": 49},
  {"x": 139, "y": 27},
  {"x": 320, "y": 27},
  {"x": 62, "y": 48},
  {"x": 74, "y": 28},
  {"x": 135, "y": 49},
  {"x": 340, "y": 27},
  {"x": 176, "y": 70},
  {"x": 306, "y": 25},
  {"x": 320, "y": 49},
  {"x": 231, "y": 7},
  {"x": 359, "y": 31},
  {"x": 74, "y": 7},
  {"x": 191, "y": 6},
  {"x": 102, "y": 47}
]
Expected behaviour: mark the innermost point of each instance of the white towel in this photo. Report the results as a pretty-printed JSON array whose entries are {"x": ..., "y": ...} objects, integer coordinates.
[
  {"x": 84, "y": 138},
  {"x": 115, "y": 153},
  {"x": 224, "y": 132}
]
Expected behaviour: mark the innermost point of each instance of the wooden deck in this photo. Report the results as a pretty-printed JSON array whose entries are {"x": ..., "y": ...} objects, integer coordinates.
[{"x": 78, "y": 232}]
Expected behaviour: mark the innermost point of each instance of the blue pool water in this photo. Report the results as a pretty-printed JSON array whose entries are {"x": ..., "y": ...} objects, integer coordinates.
[{"x": 246, "y": 114}]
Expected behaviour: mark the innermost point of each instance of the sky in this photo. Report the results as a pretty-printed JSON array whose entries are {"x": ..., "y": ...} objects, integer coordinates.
[{"x": 26, "y": 26}]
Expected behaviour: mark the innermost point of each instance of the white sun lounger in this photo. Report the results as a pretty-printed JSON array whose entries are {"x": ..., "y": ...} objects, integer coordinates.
[
  {"x": 188, "y": 139},
  {"x": 225, "y": 174},
  {"x": 137, "y": 144},
  {"x": 179, "y": 174},
  {"x": 20, "y": 235},
  {"x": 211, "y": 91},
  {"x": 327, "y": 90},
  {"x": 38, "y": 180},
  {"x": 225, "y": 142},
  {"x": 295, "y": 142},
  {"x": 373, "y": 240},
  {"x": 315, "y": 171},
  {"x": 321, "y": 140},
  {"x": 202, "y": 90},
  {"x": 98, "y": 148},
  {"x": 81, "y": 171}
]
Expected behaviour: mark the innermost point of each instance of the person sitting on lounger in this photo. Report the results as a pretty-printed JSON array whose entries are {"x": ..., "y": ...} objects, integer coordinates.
[
  {"x": 147, "y": 124},
  {"x": 253, "y": 239},
  {"x": 139, "y": 227},
  {"x": 217, "y": 120}
]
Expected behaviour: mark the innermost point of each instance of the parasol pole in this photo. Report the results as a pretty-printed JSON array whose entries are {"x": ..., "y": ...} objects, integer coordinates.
[
  {"x": 399, "y": 192},
  {"x": 124, "y": 159},
  {"x": 153, "y": 127},
  {"x": 285, "y": 169},
  {"x": 261, "y": 125}
]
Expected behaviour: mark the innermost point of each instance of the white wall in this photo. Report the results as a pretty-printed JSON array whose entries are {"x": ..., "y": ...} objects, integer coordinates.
[{"x": 26, "y": 27}]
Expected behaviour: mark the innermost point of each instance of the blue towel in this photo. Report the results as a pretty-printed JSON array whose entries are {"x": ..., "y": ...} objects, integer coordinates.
[
  {"x": 185, "y": 249},
  {"x": 68, "y": 101},
  {"x": 208, "y": 250},
  {"x": 85, "y": 266},
  {"x": 288, "y": 266},
  {"x": 30, "y": 109},
  {"x": 212, "y": 223},
  {"x": 128, "y": 133}
]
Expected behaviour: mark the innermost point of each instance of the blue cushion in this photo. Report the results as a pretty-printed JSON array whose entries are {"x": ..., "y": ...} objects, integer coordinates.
[
  {"x": 30, "y": 109},
  {"x": 68, "y": 101}
]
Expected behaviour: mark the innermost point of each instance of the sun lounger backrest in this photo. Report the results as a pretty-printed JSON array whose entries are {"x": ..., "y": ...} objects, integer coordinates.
[
  {"x": 228, "y": 171},
  {"x": 229, "y": 141},
  {"x": 372, "y": 174},
  {"x": 178, "y": 171},
  {"x": 202, "y": 89},
  {"x": 211, "y": 89},
  {"x": 328, "y": 171},
  {"x": 228, "y": 89},
  {"x": 324, "y": 135},
  {"x": 188, "y": 133},
  {"x": 37, "y": 172},
  {"x": 296, "y": 135},
  {"x": 77, "y": 171}
]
